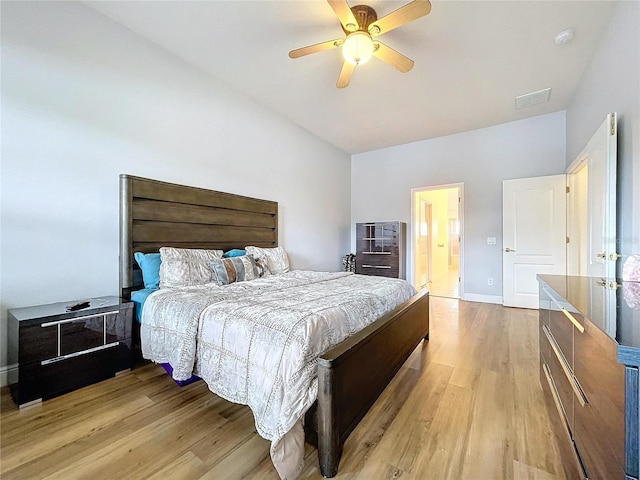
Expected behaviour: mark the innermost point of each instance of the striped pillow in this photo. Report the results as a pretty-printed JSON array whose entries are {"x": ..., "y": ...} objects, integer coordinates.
[{"x": 235, "y": 269}]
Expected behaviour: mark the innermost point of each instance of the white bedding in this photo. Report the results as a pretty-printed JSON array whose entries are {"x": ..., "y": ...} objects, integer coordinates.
[{"x": 257, "y": 343}]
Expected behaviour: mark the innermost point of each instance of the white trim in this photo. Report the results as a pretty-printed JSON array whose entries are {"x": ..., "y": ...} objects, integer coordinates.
[
  {"x": 577, "y": 163},
  {"x": 6, "y": 372},
  {"x": 478, "y": 297}
]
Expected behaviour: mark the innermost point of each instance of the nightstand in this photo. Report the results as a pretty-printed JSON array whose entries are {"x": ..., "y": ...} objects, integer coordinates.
[{"x": 59, "y": 350}]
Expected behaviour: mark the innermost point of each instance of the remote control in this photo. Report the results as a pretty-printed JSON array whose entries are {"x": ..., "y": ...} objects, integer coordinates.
[{"x": 78, "y": 306}]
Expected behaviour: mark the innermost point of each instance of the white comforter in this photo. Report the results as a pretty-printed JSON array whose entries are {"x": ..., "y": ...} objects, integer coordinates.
[{"x": 257, "y": 343}]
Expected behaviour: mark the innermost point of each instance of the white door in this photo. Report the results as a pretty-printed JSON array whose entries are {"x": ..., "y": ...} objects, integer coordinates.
[
  {"x": 592, "y": 205},
  {"x": 533, "y": 236}
]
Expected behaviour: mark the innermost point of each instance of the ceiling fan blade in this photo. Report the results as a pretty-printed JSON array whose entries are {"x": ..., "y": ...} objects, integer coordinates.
[
  {"x": 344, "y": 14},
  {"x": 318, "y": 47},
  {"x": 406, "y": 14},
  {"x": 393, "y": 58},
  {"x": 345, "y": 75}
]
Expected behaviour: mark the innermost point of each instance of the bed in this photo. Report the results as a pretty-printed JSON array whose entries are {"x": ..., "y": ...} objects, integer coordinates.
[{"x": 350, "y": 375}]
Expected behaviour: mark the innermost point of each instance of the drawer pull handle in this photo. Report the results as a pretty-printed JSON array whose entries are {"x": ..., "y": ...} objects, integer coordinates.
[
  {"x": 375, "y": 266},
  {"x": 565, "y": 368},
  {"x": 566, "y": 312},
  {"x": 575, "y": 322},
  {"x": 77, "y": 354},
  {"x": 75, "y": 319}
]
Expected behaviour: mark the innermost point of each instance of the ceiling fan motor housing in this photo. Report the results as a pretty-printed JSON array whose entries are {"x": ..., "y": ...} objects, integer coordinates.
[{"x": 365, "y": 16}]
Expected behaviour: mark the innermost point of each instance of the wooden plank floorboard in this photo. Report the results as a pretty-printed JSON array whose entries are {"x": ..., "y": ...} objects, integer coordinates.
[
  {"x": 186, "y": 466},
  {"x": 467, "y": 404},
  {"x": 400, "y": 443},
  {"x": 364, "y": 440}
]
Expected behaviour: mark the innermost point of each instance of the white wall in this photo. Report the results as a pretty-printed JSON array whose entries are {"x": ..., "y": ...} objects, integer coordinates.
[
  {"x": 381, "y": 183},
  {"x": 83, "y": 100},
  {"x": 611, "y": 83}
]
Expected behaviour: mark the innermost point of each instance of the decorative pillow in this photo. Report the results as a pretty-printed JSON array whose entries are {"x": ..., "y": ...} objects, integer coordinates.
[
  {"x": 235, "y": 269},
  {"x": 236, "y": 252},
  {"x": 261, "y": 264},
  {"x": 183, "y": 267},
  {"x": 150, "y": 267},
  {"x": 276, "y": 259}
]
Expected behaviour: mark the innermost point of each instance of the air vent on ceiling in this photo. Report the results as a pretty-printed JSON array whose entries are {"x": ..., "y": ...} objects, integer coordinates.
[{"x": 533, "y": 98}]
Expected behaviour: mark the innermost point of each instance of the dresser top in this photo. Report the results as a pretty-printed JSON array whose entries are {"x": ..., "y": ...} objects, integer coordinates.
[
  {"x": 615, "y": 311},
  {"x": 58, "y": 311}
]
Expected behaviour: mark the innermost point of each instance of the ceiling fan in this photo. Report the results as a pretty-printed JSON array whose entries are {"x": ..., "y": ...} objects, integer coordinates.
[{"x": 360, "y": 24}]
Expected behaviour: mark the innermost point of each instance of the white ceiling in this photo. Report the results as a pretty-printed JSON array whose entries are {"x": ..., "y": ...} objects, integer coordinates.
[{"x": 472, "y": 58}]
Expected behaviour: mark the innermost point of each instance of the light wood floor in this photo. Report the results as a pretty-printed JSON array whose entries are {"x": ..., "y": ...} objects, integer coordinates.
[
  {"x": 445, "y": 285},
  {"x": 466, "y": 405}
]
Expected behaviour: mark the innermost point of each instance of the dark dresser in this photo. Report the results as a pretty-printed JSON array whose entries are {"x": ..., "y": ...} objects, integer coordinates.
[
  {"x": 59, "y": 350},
  {"x": 380, "y": 248},
  {"x": 589, "y": 359}
]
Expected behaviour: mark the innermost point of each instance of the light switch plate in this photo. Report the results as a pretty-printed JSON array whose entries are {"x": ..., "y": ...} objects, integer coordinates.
[{"x": 491, "y": 240}]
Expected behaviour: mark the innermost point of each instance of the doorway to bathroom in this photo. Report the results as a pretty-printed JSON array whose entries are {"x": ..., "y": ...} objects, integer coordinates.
[{"x": 437, "y": 233}]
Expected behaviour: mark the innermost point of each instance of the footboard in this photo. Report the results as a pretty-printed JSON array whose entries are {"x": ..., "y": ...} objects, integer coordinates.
[{"x": 352, "y": 375}]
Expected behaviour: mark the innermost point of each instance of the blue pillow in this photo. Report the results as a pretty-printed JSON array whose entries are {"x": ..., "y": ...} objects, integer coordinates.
[
  {"x": 150, "y": 266},
  {"x": 234, "y": 253}
]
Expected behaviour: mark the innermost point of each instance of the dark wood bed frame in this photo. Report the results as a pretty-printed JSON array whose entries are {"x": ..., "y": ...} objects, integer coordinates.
[{"x": 351, "y": 376}]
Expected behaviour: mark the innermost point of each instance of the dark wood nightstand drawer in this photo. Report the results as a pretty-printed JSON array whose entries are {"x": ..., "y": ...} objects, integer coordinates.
[
  {"x": 69, "y": 374},
  {"x": 37, "y": 343},
  {"x": 83, "y": 334},
  {"x": 93, "y": 331}
]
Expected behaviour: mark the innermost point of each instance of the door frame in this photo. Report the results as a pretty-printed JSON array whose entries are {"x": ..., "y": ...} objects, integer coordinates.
[
  {"x": 573, "y": 217},
  {"x": 415, "y": 225},
  {"x": 427, "y": 213},
  {"x": 608, "y": 128}
]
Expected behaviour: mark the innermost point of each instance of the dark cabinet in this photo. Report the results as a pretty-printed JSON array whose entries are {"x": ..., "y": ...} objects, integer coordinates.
[
  {"x": 380, "y": 249},
  {"x": 59, "y": 350},
  {"x": 581, "y": 376}
]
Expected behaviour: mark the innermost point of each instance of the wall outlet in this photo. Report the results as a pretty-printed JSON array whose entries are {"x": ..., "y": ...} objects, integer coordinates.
[{"x": 489, "y": 281}]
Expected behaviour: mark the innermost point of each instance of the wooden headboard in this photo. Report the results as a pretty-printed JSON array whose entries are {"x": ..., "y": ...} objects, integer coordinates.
[{"x": 156, "y": 214}]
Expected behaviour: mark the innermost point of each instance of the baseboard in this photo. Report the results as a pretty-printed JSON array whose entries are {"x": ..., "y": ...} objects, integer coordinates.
[
  {"x": 7, "y": 372},
  {"x": 478, "y": 297}
]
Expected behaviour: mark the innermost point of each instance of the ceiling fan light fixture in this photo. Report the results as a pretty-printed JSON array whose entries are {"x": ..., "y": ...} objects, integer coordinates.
[{"x": 357, "y": 48}]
